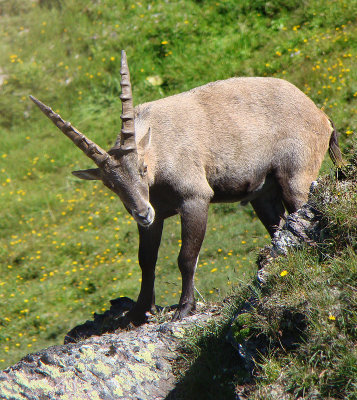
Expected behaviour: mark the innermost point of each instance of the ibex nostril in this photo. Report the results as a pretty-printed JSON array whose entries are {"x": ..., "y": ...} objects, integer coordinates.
[
  {"x": 144, "y": 217},
  {"x": 144, "y": 214}
]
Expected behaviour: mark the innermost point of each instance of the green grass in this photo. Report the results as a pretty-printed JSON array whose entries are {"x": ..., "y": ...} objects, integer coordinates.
[
  {"x": 325, "y": 294},
  {"x": 67, "y": 247}
]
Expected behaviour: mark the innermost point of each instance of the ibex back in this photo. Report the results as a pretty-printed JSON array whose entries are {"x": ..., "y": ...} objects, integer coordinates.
[{"x": 258, "y": 140}]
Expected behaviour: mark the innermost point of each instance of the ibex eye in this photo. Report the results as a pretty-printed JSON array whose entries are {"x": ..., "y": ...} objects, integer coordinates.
[{"x": 143, "y": 171}]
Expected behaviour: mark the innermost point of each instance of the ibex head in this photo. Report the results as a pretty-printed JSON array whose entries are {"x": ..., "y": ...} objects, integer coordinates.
[{"x": 122, "y": 169}]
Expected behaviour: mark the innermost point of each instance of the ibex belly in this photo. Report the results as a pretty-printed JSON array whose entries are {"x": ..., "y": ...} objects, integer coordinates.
[{"x": 242, "y": 190}]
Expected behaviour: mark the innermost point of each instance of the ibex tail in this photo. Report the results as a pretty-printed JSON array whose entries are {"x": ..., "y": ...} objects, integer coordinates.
[{"x": 334, "y": 148}]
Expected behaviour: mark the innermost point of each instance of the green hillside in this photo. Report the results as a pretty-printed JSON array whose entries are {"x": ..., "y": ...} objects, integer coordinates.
[
  {"x": 298, "y": 328},
  {"x": 68, "y": 246}
]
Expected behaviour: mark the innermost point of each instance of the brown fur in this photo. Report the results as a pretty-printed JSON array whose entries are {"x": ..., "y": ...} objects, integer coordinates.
[{"x": 228, "y": 135}]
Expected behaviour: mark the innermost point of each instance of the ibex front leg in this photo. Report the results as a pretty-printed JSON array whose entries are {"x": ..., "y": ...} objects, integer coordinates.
[
  {"x": 193, "y": 227},
  {"x": 149, "y": 242}
]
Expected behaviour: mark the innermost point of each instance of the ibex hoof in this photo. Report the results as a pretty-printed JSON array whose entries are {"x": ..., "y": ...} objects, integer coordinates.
[
  {"x": 139, "y": 315},
  {"x": 136, "y": 318},
  {"x": 183, "y": 311}
]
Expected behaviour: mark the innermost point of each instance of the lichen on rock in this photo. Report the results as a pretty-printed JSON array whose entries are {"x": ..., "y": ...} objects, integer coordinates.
[{"x": 126, "y": 364}]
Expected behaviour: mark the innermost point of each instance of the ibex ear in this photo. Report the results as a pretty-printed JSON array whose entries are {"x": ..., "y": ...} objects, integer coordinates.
[
  {"x": 144, "y": 143},
  {"x": 88, "y": 174}
]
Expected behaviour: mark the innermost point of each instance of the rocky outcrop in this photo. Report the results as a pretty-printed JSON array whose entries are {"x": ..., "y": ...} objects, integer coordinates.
[
  {"x": 127, "y": 364},
  {"x": 303, "y": 227}
]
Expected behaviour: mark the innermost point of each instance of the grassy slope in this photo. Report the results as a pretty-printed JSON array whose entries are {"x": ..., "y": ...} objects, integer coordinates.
[
  {"x": 303, "y": 322},
  {"x": 67, "y": 247}
]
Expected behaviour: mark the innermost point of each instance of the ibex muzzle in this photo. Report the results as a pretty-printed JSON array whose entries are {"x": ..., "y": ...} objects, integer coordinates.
[{"x": 257, "y": 140}]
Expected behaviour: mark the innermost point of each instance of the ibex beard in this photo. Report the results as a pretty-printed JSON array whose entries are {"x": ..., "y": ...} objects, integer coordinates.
[{"x": 257, "y": 140}]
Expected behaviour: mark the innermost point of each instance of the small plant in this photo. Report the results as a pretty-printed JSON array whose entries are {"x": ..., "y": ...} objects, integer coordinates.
[{"x": 241, "y": 327}]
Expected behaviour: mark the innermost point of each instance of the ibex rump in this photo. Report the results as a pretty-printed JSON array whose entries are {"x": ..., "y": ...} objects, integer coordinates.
[{"x": 258, "y": 140}]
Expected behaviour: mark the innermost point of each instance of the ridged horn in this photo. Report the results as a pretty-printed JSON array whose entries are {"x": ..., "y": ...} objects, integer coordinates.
[
  {"x": 89, "y": 148},
  {"x": 126, "y": 139}
]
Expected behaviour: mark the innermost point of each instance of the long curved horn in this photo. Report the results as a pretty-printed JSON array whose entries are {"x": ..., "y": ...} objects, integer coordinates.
[
  {"x": 126, "y": 139},
  {"x": 89, "y": 148}
]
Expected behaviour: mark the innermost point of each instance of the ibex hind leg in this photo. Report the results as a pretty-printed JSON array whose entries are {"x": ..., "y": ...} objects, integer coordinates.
[
  {"x": 269, "y": 209},
  {"x": 193, "y": 228},
  {"x": 295, "y": 190}
]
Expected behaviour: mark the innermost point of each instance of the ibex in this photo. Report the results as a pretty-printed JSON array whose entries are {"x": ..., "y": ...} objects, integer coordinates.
[{"x": 257, "y": 140}]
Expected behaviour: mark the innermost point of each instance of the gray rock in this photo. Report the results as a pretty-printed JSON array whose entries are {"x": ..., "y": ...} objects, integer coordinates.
[{"x": 127, "y": 364}]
